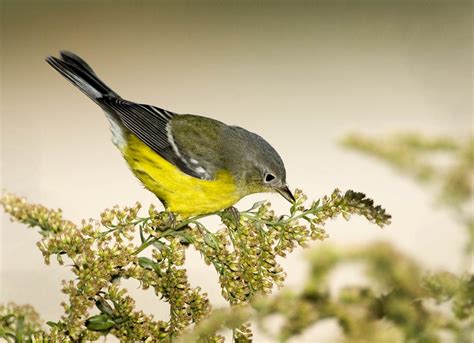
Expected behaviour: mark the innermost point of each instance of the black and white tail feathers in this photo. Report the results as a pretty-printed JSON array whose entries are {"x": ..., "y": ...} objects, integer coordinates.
[
  {"x": 80, "y": 74},
  {"x": 150, "y": 124}
]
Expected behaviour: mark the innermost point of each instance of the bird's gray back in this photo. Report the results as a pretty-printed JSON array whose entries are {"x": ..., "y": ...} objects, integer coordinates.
[{"x": 210, "y": 145}]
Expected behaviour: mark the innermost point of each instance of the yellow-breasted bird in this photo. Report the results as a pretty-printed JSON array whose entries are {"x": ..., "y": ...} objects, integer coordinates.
[{"x": 193, "y": 164}]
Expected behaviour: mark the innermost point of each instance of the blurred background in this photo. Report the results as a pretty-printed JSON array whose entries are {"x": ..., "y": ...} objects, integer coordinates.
[{"x": 301, "y": 74}]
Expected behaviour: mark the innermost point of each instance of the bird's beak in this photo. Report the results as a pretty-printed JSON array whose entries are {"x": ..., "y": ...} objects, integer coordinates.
[{"x": 286, "y": 193}]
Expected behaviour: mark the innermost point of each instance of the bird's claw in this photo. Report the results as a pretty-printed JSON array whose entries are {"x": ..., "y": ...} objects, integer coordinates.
[
  {"x": 171, "y": 221},
  {"x": 232, "y": 215}
]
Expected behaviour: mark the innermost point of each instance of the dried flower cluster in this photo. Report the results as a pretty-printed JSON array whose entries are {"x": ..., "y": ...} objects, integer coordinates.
[
  {"x": 243, "y": 252},
  {"x": 401, "y": 302},
  {"x": 447, "y": 163},
  {"x": 416, "y": 155},
  {"x": 18, "y": 323},
  {"x": 396, "y": 307}
]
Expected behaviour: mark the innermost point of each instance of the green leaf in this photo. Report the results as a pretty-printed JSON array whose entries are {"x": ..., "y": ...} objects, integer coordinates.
[
  {"x": 256, "y": 205},
  {"x": 185, "y": 236},
  {"x": 7, "y": 317},
  {"x": 315, "y": 205},
  {"x": 210, "y": 240},
  {"x": 20, "y": 327},
  {"x": 293, "y": 209},
  {"x": 146, "y": 263},
  {"x": 158, "y": 245},
  {"x": 52, "y": 324},
  {"x": 142, "y": 238},
  {"x": 100, "y": 322},
  {"x": 6, "y": 335},
  {"x": 104, "y": 307}
]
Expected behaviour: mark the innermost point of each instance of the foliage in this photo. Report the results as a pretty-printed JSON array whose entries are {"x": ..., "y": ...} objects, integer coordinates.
[
  {"x": 18, "y": 323},
  {"x": 395, "y": 306},
  {"x": 446, "y": 163},
  {"x": 403, "y": 303},
  {"x": 400, "y": 301},
  {"x": 243, "y": 252}
]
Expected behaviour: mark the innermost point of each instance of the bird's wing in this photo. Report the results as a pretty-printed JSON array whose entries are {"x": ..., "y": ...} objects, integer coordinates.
[
  {"x": 199, "y": 141},
  {"x": 152, "y": 126}
]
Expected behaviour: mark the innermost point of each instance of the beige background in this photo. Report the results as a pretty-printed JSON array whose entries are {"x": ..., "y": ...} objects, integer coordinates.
[{"x": 300, "y": 74}]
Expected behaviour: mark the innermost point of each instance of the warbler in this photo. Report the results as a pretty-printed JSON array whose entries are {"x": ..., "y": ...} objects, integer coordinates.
[{"x": 193, "y": 164}]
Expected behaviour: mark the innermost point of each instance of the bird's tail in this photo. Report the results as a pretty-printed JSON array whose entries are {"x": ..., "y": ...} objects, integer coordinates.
[{"x": 81, "y": 75}]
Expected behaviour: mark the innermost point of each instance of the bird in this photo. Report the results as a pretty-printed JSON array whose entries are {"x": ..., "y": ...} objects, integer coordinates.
[{"x": 194, "y": 165}]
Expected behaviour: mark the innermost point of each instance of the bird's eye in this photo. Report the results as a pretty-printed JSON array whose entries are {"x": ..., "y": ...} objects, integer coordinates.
[{"x": 269, "y": 177}]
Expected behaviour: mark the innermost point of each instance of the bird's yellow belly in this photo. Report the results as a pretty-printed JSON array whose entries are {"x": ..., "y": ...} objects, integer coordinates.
[{"x": 182, "y": 193}]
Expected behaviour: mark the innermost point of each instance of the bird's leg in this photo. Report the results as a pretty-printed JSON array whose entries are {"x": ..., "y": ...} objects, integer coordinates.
[
  {"x": 167, "y": 221},
  {"x": 171, "y": 221},
  {"x": 232, "y": 215}
]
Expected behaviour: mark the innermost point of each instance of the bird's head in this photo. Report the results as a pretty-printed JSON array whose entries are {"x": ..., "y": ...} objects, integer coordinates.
[
  {"x": 272, "y": 176},
  {"x": 274, "y": 180},
  {"x": 264, "y": 168}
]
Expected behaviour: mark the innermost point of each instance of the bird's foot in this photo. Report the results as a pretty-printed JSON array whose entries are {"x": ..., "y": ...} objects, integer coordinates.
[
  {"x": 171, "y": 221},
  {"x": 167, "y": 221},
  {"x": 231, "y": 215}
]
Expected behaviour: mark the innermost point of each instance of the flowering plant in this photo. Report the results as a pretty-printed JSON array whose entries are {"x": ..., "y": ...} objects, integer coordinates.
[{"x": 102, "y": 252}]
